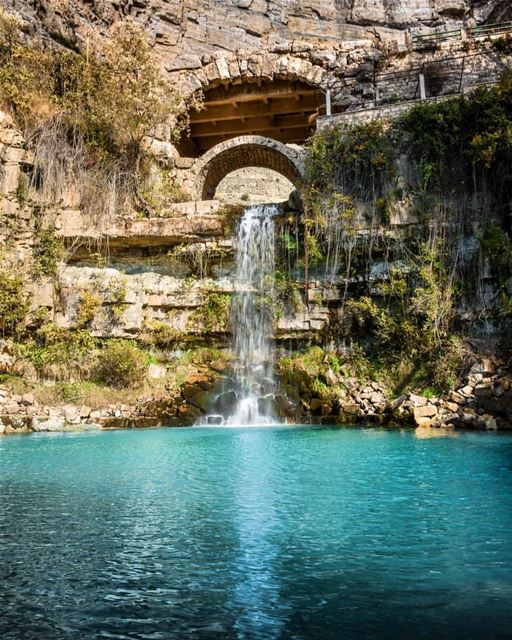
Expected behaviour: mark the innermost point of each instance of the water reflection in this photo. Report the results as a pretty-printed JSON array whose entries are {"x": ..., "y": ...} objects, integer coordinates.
[
  {"x": 425, "y": 433},
  {"x": 259, "y": 608}
]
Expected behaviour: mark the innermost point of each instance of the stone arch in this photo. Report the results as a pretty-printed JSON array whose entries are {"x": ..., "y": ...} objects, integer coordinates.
[
  {"x": 244, "y": 151},
  {"x": 237, "y": 68}
]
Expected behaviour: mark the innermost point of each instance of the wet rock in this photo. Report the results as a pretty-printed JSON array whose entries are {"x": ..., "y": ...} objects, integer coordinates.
[
  {"x": 268, "y": 406},
  {"x": 286, "y": 408},
  {"x": 423, "y": 415},
  {"x": 491, "y": 424},
  {"x": 226, "y": 402},
  {"x": 320, "y": 407},
  {"x": 483, "y": 390},
  {"x": 189, "y": 411},
  {"x": 426, "y": 411},
  {"x": 201, "y": 399},
  {"x": 498, "y": 406}
]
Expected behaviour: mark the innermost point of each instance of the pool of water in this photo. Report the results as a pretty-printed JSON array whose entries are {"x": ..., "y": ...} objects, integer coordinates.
[{"x": 255, "y": 533}]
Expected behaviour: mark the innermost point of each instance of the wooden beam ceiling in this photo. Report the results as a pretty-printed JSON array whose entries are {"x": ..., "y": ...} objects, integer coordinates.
[
  {"x": 253, "y": 124},
  {"x": 273, "y": 107},
  {"x": 285, "y": 111}
]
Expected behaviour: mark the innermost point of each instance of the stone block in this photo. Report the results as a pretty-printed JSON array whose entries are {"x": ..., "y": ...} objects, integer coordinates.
[
  {"x": 427, "y": 411},
  {"x": 84, "y": 412},
  {"x": 417, "y": 401},
  {"x": 48, "y": 424}
]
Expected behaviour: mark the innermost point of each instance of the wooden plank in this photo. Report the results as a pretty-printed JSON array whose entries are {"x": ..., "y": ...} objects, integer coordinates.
[
  {"x": 257, "y": 123},
  {"x": 307, "y": 104},
  {"x": 255, "y": 92}
]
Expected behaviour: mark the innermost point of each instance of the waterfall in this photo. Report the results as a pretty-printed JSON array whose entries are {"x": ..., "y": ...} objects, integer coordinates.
[{"x": 251, "y": 318}]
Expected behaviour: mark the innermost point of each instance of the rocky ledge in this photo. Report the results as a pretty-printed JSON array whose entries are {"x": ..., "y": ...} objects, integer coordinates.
[{"x": 483, "y": 402}]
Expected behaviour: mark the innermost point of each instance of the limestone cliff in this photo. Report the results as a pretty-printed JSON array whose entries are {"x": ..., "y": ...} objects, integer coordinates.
[{"x": 195, "y": 27}]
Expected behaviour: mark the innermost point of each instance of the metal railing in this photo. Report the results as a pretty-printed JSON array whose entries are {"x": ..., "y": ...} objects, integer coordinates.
[
  {"x": 423, "y": 40},
  {"x": 497, "y": 28},
  {"x": 420, "y": 39},
  {"x": 446, "y": 77}
]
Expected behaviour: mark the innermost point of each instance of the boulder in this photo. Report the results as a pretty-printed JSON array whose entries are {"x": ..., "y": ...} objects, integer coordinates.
[
  {"x": 48, "y": 424},
  {"x": 483, "y": 390},
  {"x": 218, "y": 365},
  {"x": 350, "y": 408},
  {"x": 197, "y": 397},
  {"x": 427, "y": 411},
  {"x": 417, "y": 401},
  {"x": 226, "y": 402},
  {"x": 84, "y": 412},
  {"x": 330, "y": 378},
  {"x": 423, "y": 415},
  {"x": 71, "y": 414},
  {"x": 268, "y": 406}
]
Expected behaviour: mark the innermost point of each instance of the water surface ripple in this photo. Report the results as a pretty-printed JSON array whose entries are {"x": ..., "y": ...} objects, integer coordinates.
[{"x": 255, "y": 533}]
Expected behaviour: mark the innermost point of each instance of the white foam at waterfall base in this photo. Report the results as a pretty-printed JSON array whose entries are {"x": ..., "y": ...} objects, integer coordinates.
[{"x": 251, "y": 319}]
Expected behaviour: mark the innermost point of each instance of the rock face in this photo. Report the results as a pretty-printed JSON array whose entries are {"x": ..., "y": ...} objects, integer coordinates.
[{"x": 185, "y": 30}]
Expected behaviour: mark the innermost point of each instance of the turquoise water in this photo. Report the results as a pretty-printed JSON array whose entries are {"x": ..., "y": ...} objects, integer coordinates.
[{"x": 255, "y": 533}]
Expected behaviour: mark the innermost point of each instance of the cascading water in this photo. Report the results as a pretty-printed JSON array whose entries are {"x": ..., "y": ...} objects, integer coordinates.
[{"x": 251, "y": 318}]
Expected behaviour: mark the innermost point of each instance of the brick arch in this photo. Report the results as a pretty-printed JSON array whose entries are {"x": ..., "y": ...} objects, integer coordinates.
[{"x": 244, "y": 151}]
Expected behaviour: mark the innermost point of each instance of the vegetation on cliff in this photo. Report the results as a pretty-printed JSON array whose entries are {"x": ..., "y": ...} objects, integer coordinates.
[
  {"x": 447, "y": 164},
  {"x": 90, "y": 114}
]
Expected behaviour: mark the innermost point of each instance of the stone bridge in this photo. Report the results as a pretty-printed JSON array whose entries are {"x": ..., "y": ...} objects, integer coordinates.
[{"x": 244, "y": 151}]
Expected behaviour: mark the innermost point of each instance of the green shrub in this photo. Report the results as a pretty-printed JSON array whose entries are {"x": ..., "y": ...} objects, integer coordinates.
[
  {"x": 60, "y": 354},
  {"x": 117, "y": 298},
  {"x": 121, "y": 364},
  {"x": 90, "y": 304},
  {"x": 14, "y": 304},
  {"x": 47, "y": 253},
  {"x": 160, "y": 335},
  {"x": 213, "y": 314}
]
